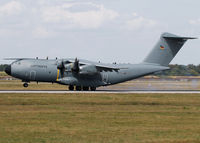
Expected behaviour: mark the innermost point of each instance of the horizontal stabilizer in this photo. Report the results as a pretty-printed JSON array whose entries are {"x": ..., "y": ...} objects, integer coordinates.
[{"x": 175, "y": 37}]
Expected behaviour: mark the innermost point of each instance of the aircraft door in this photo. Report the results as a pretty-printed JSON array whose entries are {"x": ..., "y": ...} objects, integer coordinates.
[
  {"x": 32, "y": 75},
  {"x": 105, "y": 77}
]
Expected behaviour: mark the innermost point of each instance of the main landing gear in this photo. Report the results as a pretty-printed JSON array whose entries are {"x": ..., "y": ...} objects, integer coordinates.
[
  {"x": 80, "y": 88},
  {"x": 85, "y": 88},
  {"x": 71, "y": 87},
  {"x": 25, "y": 84},
  {"x": 93, "y": 88}
]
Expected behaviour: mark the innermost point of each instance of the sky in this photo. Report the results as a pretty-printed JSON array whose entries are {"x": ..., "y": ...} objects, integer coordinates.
[{"x": 122, "y": 31}]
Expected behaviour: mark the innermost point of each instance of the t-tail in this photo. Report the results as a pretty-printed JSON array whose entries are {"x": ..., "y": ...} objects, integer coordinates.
[{"x": 166, "y": 49}]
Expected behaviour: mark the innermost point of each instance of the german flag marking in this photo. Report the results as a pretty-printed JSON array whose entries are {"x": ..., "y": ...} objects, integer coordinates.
[{"x": 162, "y": 47}]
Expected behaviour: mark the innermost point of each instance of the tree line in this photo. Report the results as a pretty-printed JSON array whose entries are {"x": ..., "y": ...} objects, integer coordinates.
[
  {"x": 181, "y": 70},
  {"x": 176, "y": 70},
  {"x": 2, "y": 67}
]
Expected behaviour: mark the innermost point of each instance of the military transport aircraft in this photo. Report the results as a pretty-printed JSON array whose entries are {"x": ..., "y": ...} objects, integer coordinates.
[{"x": 86, "y": 75}]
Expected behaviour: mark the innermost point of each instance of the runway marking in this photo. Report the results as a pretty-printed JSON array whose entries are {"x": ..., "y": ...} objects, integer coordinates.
[{"x": 100, "y": 92}]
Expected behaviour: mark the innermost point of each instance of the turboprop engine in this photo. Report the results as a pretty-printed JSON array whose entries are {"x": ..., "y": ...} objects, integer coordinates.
[
  {"x": 75, "y": 67},
  {"x": 88, "y": 70}
]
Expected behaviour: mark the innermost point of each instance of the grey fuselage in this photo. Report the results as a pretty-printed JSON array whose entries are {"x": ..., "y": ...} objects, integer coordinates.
[{"x": 40, "y": 70}]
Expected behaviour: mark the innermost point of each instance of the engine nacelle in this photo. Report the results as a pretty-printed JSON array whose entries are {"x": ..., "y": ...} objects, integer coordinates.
[
  {"x": 88, "y": 70},
  {"x": 68, "y": 67}
]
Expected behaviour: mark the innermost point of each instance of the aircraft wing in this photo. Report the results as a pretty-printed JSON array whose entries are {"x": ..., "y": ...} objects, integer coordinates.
[
  {"x": 100, "y": 67},
  {"x": 106, "y": 69}
]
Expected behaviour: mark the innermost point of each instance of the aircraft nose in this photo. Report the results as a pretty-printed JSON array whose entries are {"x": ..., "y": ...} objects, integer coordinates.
[{"x": 8, "y": 70}]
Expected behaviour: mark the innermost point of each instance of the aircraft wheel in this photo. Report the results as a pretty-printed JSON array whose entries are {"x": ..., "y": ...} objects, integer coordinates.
[
  {"x": 71, "y": 87},
  {"x": 78, "y": 88},
  {"x": 25, "y": 85},
  {"x": 93, "y": 88},
  {"x": 85, "y": 88}
]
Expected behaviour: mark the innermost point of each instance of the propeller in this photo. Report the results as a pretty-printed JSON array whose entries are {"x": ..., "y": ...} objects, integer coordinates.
[
  {"x": 75, "y": 66},
  {"x": 61, "y": 67}
]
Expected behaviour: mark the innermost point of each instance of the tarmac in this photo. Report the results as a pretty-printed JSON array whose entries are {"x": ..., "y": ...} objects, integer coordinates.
[{"x": 104, "y": 91}]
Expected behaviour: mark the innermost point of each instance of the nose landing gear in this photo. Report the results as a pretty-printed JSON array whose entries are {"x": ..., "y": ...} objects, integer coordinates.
[{"x": 25, "y": 84}]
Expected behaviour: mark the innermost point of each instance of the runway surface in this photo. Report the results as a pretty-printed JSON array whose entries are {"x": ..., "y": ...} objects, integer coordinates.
[{"x": 103, "y": 91}]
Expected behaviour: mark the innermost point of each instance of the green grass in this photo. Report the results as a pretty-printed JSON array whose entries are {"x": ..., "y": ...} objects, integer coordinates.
[{"x": 99, "y": 118}]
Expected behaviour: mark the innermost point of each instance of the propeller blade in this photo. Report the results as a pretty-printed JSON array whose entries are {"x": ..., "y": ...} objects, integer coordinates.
[
  {"x": 61, "y": 67},
  {"x": 76, "y": 67}
]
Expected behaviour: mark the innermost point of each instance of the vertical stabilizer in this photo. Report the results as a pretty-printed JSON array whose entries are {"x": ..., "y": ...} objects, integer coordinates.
[{"x": 166, "y": 49}]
